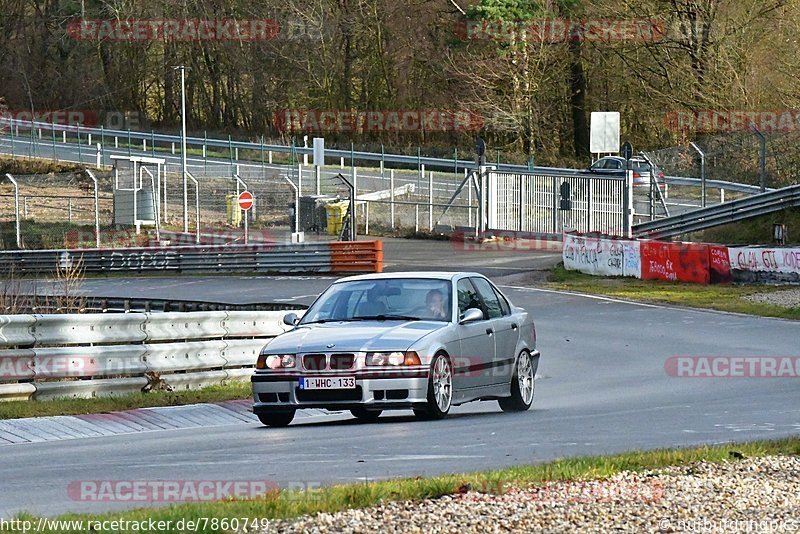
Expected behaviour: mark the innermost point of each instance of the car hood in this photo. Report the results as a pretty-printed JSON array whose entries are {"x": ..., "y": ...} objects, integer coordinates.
[{"x": 353, "y": 336}]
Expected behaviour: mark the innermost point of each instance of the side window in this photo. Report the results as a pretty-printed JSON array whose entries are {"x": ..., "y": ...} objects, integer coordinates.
[
  {"x": 503, "y": 302},
  {"x": 467, "y": 296},
  {"x": 489, "y": 297}
]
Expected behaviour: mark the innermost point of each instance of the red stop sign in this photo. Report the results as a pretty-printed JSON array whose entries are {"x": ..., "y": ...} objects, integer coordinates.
[{"x": 245, "y": 200}]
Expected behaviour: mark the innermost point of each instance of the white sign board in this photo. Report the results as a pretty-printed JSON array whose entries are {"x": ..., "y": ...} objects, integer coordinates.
[
  {"x": 604, "y": 136},
  {"x": 591, "y": 255},
  {"x": 767, "y": 260},
  {"x": 319, "y": 151}
]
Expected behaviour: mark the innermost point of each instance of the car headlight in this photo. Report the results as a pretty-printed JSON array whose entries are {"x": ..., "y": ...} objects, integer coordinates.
[
  {"x": 275, "y": 361},
  {"x": 396, "y": 359}
]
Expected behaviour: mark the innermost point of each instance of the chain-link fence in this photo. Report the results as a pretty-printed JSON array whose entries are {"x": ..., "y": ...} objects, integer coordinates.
[{"x": 143, "y": 205}]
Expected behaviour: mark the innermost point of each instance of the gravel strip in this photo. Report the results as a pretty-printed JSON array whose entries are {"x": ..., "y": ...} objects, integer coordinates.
[
  {"x": 785, "y": 298},
  {"x": 753, "y": 495}
]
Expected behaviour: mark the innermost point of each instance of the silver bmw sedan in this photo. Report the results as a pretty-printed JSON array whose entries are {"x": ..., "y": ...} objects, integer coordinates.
[{"x": 420, "y": 341}]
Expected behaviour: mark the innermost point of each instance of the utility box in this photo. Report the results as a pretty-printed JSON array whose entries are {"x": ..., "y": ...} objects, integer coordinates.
[
  {"x": 312, "y": 214},
  {"x": 130, "y": 209}
]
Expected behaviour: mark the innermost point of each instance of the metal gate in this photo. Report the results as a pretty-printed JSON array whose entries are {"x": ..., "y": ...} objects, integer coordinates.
[{"x": 530, "y": 202}]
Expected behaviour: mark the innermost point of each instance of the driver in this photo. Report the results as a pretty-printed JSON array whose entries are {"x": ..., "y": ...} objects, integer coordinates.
[{"x": 435, "y": 302}]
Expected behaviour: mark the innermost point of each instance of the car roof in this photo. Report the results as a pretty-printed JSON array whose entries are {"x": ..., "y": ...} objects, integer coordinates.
[{"x": 436, "y": 275}]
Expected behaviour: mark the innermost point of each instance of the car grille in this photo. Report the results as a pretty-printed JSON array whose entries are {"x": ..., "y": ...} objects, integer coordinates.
[
  {"x": 314, "y": 362},
  {"x": 342, "y": 361},
  {"x": 323, "y": 395}
]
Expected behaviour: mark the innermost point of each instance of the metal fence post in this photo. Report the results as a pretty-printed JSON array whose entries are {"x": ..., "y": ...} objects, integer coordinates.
[
  {"x": 196, "y": 205},
  {"x": 16, "y": 205},
  {"x": 391, "y": 188},
  {"x": 762, "y": 158},
  {"x": 96, "y": 208},
  {"x": 55, "y": 156},
  {"x": 430, "y": 202},
  {"x": 702, "y": 173},
  {"x": 469, "y": 199},
  {"x": 80, "y": 154}
]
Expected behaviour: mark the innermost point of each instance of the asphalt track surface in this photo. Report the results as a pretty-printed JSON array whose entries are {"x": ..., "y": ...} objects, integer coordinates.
[{"x": 602, "y": 388}]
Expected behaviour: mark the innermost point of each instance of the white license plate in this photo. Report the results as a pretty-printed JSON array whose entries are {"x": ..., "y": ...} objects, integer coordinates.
[{"x": 332, "y": 382}]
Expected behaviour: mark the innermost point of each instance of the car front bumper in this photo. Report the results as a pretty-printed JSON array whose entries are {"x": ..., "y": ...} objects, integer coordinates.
[{"x": 375, "y": 390}]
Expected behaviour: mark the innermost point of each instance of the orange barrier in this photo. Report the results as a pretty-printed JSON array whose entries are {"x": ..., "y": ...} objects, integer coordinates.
[{"x": 356, "y": 256}]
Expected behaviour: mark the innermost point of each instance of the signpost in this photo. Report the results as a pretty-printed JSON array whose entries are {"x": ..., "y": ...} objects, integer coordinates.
[
  {"x": 245, "y": 202},
  {"x": 627, "y": 153}
]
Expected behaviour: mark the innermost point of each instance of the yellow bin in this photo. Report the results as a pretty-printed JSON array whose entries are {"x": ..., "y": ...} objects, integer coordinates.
[
  {"x": 233, "y": 210},
  {"x": 336, "y": 212}
]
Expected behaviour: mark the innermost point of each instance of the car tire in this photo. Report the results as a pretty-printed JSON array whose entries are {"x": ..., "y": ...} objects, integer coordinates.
[
  {"x": 440, "y": 390},
  {"x": 365, "y": 415},
  {"x": 277, "y": 419},
  {"x": 522, "y": 386}
]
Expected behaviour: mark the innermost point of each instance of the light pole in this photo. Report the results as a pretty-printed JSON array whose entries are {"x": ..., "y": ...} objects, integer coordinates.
[{"x": 182, "y": 68}]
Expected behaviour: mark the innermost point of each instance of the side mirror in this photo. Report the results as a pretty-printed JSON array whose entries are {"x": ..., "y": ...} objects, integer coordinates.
[
  {"x": 291, "y": 319},
  {"x": 470, "y": 316}
]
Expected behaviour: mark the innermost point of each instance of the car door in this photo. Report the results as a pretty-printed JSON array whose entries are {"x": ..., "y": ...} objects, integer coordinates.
[
  {"x": 472, "y": 367},
  {"x": 506, "y": 330}
]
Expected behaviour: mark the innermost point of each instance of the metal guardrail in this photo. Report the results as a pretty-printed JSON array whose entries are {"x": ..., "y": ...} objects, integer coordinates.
[
  {"x": 98, "y": 304},
  {"x": 714, "y": 184},
  {"x": 429, "y": 162},
  {"x": 361, "y": 256},
  {"x": 729, "y": 212},
  {"x": 48, "y": 356}
]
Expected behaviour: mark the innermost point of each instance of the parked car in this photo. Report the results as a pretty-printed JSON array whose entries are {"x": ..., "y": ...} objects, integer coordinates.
[
  {"x": 615, "y": 166},
  {"x": 424, "y": 341}
]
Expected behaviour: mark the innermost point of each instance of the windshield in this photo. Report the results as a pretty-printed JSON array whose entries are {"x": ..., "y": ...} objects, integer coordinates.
[{"x": 382, "y": 300}]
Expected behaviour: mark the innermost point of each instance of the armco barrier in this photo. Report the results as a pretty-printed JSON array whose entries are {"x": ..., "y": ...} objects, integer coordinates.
[
  {"x": 15, "y": 330},
  {"x": 356, "y": 256},
  {"x": 334, "y": 257},
  {"x": 719, "y": 264},
  {"x": 679, "y": 262},
  {"x": 604, "y": 256},
  {"x": 49, "y": 356}
]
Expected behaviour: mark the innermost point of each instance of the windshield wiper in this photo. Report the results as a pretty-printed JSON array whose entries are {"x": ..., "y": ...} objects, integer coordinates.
[{"x": 385, "y": 317}]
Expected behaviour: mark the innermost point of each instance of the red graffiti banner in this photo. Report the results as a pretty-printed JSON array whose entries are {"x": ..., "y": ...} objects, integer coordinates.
[{"x": 681, "y": 262}]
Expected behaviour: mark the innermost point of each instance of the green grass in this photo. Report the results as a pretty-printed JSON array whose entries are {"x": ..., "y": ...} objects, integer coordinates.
[
  {"x": 23, "y": 165},
  {"x": 722, "y": 297},
  {"x": 289, "y": 504},
  {"x": 230, "y": 391}
]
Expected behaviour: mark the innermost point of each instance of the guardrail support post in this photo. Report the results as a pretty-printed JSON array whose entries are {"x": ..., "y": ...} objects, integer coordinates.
[{"x": 16, "y": 207}]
